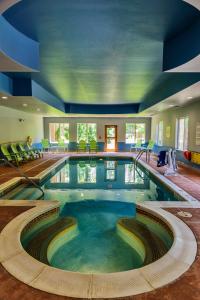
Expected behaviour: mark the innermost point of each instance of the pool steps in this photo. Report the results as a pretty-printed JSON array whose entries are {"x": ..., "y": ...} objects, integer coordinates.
[
  {"x": 137, "y": 235},
  {"x": 38, "y": 246}
]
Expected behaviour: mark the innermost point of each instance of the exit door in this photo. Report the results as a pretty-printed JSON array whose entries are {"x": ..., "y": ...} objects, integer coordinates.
[{"x": 110, "y": 138}]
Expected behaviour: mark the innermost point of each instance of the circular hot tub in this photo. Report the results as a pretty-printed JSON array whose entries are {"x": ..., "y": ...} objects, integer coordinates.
[
  {"x": 98, "y": 237},
  {"x": 151, "y": 249}
]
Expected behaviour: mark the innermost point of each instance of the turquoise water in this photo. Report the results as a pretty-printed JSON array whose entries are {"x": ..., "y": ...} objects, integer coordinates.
[
  {"x": 97, "y": 247},
  {"x": 98, "y": 192},
  {"x": 98, "y": 179}
]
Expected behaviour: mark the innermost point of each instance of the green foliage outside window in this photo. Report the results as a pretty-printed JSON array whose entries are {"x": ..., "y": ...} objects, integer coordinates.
[
  {"x": 59, "y": 131},
  {"x": 86, "y": 132},
  {"x": 135, "y": 133}
]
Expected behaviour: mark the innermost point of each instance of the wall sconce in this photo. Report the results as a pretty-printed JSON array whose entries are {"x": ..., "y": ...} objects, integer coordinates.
[{"x": 21, "y": 120}]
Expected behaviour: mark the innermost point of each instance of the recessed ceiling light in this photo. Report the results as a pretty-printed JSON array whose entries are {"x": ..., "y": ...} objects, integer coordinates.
[
  {"x": 171, "y": 105},
  {"x": 189, "y": 97},
  {"x": 25, "y": 104},
  {"x": 4, "y": 97}
]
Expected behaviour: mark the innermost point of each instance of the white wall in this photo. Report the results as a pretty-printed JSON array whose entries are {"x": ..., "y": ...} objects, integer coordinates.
[
  {"x": 169, "y": 119},
  {"x": 13, "y": 130},
  {"x": 101, "y": 122}
]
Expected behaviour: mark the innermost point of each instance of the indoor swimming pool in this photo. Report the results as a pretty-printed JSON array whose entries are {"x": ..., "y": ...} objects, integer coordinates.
[
  {"x": 107, "y": 234},
  {"x": 97, "y": 178}
]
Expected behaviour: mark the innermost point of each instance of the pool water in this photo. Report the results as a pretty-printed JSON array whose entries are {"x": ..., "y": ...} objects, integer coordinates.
[
  {"x": 97, "y": 247},
  {"x": 98, "y": 178},
  {"x": 98, "y": 192}
]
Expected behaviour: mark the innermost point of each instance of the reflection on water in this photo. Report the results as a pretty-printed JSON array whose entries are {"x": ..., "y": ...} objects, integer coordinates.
[
  {"x": 86, "y": 173},
  {"x": 110, "y": 167},
  {"x": 99, "y": 173},
  {"x": 62, "y": 176},
  {"x": 132, "y": 175},
  {"x": 110, "y": 175},
  {"x": 98, "y": 179},
  {"x": 101, "y": 178},
  {"x": 110, "y": 164}
]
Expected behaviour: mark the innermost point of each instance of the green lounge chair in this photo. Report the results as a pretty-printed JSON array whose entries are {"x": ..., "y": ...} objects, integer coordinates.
[
  {"x": 45, "y": 144},
  {"x": 93, "y": 146},
  {"x": 11, "y": 157},
  {"x": 19, "y": 155},
  {"x": 61, "y": 144},
  {"x": 149, "y": 149},
  {"x": 26, "y": 154},
  {"x": 150, "y": 145},
  {"x": 81, "y": 147},
  {"x": 137, "y": 146}
]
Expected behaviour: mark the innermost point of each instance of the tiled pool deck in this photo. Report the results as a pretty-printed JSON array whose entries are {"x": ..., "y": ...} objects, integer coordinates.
[{"x": 184, "y": 288}]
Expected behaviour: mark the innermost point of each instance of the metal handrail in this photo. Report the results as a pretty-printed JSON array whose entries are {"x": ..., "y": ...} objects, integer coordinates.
[
  {"x": 139, "y": 155},
  {"x": 23, "y": 175}
]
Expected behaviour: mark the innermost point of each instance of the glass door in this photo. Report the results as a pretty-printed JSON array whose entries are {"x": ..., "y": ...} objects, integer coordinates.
[{"x": 110, "y": 138}]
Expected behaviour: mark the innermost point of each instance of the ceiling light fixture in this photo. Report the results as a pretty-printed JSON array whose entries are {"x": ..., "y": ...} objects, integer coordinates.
[
  {"x": 189, "y": 97},
  {"x": 4, "y": 97},
  {"x": 171, "y": 105},
  {"x": 24, "y": 104}
]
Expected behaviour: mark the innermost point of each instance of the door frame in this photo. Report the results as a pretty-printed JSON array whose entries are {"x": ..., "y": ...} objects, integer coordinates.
[{"x": 115, "y": 137}]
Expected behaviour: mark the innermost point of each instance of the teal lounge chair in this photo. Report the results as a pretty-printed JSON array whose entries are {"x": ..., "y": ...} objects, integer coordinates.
[
  {"x": 81, "y": 147},
  {"x": 93, "y": 146},
  {"x": 11, "y": 157}
]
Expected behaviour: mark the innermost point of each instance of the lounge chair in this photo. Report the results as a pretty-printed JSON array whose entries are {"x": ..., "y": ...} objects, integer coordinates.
[
  {"x": 26, "y": 154},
  {"x": 36, "y": 153},
  {"x": 20, "y": 156},
  {"x": 150, "y": 145},
  {"x": 149, "y": 149},
  {"x": 81, "y": 147},
  {"x": 61, "y": 144},
  {"x": 45, "y": 144},
  {"x": 10, "y": 157},
  {"x": 93, "y": 146},
  {"x": 136, "y": 147}
]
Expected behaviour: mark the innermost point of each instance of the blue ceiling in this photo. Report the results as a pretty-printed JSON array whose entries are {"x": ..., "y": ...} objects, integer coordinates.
[{"x": 102, "y": 51}]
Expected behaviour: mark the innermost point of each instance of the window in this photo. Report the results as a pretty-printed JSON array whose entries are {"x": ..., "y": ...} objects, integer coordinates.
[
  {"x": 86, "y": 132},
  {"x": 135, "y": 133},
  {"x": 58, "y": 131},
  {"x": 182, "y": 133},
  {"x": 159, "y": 133}
]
